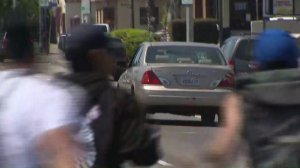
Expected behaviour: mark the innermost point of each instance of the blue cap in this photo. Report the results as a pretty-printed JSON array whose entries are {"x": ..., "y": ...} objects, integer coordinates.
[{"x": 276, "y": 46}]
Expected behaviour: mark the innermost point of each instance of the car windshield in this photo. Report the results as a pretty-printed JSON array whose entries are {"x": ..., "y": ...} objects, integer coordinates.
[{"x": 185, "y": 55}]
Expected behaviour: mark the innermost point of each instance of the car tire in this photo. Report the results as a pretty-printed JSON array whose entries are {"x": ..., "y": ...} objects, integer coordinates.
[{"x": 208, "y": 118}]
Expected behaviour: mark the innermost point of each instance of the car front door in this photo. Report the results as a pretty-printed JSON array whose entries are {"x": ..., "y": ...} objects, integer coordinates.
[{"x": 127, "y": 79}]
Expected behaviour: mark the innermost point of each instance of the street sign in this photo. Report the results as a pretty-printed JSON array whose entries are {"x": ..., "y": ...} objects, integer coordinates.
[
  {"x": 85, "y": 6},
  {"x": 44, "y": 3},
  {"x": 85, "y": 11},
  {"x": 187, "y": 2}
]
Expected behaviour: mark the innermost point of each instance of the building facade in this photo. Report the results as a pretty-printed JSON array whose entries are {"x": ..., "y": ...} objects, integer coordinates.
[
  {"x": 236, "y": 14},
  {"x": 117, "y": 13}
]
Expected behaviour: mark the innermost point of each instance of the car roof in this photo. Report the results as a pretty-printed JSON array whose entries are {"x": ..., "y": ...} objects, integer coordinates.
[
  {"x": 241, "y": 37},
  {"x": 181, "y": 44}
]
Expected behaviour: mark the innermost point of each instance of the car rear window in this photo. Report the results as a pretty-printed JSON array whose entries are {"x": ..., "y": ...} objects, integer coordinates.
[
  {"x": 185, "y": 55},
  {"x": 245, "y": 49}
]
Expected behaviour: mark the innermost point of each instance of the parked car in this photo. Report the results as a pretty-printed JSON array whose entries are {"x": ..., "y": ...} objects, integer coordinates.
[
  {"x": 105, "y": 27},
  {"x": 239, "y": 52},
  {"x": 178, "y": 77},
  {"x": 63, "y": 41}
]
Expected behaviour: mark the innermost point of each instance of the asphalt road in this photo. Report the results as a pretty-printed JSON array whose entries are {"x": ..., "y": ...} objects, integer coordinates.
[{"x": 185, "y": 140}]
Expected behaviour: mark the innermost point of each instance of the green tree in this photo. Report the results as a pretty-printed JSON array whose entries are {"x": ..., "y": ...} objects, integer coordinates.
[
  {"x": 132, "y": 38},
  {"x": 30, "y": 8},
  {"x": 5, "y": 7}
]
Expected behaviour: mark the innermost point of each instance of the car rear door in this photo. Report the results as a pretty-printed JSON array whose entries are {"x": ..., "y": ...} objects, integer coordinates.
[{"x": 244, "y": 56}]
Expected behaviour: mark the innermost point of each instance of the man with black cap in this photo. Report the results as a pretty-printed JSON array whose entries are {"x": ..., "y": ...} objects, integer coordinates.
[
  {"x": 118, "y": 121},
  {"x": 265, "y": 106}
]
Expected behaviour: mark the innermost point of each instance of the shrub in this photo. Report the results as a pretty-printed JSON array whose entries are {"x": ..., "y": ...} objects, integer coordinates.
[{"x": 132, "y": 38}]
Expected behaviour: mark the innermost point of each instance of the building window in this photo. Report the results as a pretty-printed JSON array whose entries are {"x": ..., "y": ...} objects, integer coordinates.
[
  {"x": 206, "y": 9},
  {"x": 106, "y": 15},
  {"x": 240, "y": 6},
  {"x": 198, "y": 9},
  {"x": 211, "y": 8},
  {"x": 144, "y": 15}
]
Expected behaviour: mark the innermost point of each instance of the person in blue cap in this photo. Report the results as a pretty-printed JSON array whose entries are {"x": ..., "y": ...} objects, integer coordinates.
[{"x": 264, "y": 108}]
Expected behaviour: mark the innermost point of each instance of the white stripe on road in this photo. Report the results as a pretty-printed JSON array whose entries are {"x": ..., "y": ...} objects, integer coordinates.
[{"x": 163, "y": 163}]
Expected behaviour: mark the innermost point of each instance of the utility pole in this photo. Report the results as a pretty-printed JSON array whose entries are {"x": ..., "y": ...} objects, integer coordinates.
[
  {"x": 132, "y": 14},
  {"x": 220, "y": 8},
  {"x": 189, "y": 24},
  {"x": 14, "y": 4},
  {"x": 257, "y": 13},
  {"x": 189, "y": 19},
  {"x": 294, "y": 10},
  {"x": 150, "y": 17}
]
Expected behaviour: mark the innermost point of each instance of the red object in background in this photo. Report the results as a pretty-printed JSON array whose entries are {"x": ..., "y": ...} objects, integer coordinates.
[
  {"x": 228, "y": 81},
  {"x": 231, "y": 63}
]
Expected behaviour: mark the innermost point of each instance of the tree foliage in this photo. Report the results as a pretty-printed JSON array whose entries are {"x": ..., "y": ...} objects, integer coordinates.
[
  {"x": 132, "y": 38},
  {"x": 28, "y": 8},
  {"x": 5, "y": 7}
]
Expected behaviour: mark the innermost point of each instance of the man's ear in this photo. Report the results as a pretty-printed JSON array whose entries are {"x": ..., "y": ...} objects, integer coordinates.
[{"x": 100, "y": 60}]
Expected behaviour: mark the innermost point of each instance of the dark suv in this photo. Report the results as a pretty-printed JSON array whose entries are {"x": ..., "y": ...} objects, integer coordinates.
[{"x": 239, "y": 52}]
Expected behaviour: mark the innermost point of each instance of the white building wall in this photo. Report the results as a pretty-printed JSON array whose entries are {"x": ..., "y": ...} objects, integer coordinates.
[{"x": 72, "y": 9}]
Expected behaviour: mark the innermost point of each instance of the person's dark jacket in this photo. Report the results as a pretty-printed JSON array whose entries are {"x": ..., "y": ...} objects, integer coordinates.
[
  {"x": 121, "y": 132},
  {"x": 272, "y": 117}
]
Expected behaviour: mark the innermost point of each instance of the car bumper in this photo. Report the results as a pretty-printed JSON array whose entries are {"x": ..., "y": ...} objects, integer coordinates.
[{"x": 161, "y": 96}]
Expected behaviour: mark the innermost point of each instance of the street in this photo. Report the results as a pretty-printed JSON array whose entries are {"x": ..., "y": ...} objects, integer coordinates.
[{"x": 185, "y": 140}]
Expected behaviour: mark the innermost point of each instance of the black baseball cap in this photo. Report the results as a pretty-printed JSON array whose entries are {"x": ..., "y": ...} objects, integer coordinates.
[{"x": 82, "y": 39}]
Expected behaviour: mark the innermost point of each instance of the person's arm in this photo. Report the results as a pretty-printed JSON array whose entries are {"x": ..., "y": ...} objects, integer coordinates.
[
  {"x": 228, "y": 136},
  {"x": 57, "y": 147},
  {"x": 58, "y": 116}
]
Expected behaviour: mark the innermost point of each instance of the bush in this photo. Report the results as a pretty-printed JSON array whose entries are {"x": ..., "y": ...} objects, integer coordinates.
[
  {"x": 205, "y": 31},
  {"x": 132, "y": 38}
]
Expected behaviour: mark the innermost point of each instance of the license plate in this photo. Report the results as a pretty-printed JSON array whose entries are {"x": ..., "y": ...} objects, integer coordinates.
[{"x": 189, "y": 81}]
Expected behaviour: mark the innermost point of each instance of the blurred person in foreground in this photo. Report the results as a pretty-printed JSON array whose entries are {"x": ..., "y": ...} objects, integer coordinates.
[
  {"x": 119, "y": 127},
  {"x": 37, "y": 117},
  {"x": 264, "y": 110}
]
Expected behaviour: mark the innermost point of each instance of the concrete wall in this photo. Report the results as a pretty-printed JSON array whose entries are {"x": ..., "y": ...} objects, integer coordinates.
[
  {"x": 226, "y": 13},
  {"x": 297, "y": 7},
  {"x": 72, "y": 9},
  {"x": 123, "y": 15},
  {"x": 291, "y": 26}
]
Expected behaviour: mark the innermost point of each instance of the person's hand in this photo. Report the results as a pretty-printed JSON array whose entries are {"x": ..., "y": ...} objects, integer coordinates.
[{"x": 217, "y": 153}]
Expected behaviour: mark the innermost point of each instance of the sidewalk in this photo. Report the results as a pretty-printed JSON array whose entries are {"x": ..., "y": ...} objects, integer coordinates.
[{"x": 55, "y": 56}]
